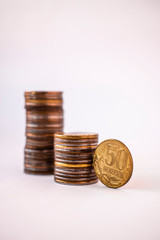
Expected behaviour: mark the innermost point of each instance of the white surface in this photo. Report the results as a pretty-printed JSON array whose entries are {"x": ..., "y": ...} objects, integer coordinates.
[
  {"x": 35, "y": 207},
  {"x": 104, "y": 55}
]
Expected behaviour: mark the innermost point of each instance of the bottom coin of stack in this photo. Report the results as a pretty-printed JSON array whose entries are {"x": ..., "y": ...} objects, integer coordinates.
[{"x": 74, "y": 158}]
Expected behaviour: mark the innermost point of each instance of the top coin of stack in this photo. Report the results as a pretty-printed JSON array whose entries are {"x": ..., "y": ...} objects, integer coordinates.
[
  {"x": 44, "y": 117},
  {"x": 74, "y": 157}
]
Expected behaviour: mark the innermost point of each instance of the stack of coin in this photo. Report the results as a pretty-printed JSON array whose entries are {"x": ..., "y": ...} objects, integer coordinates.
[
  {"x": 44, "y": 117},
  {"x": 74, "y": 158}
]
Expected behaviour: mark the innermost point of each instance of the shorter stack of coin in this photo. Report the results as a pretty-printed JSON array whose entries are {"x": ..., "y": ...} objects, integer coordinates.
[
  {"x": 44, "y": 117},
  {"x": 74, "y": 158}
]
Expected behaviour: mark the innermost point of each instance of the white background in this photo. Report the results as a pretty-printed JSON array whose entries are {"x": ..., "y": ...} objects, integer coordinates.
[{"x": 105, "y": 56}]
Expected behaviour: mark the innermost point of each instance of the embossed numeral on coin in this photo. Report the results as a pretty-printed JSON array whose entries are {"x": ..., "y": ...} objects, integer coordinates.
[
  {"x": 121, "y": 159},
  {"x": 111, "y": 155}
]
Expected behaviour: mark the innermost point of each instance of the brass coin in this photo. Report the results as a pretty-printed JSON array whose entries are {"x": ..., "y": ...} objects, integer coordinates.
[
  {"x": 75, "y": 179},
  {"x": 113, "y": 163},
  {"x": 76, "y": 183},
  {"x": 76, "y": 135},
  {"x": 58, "y": 164}
]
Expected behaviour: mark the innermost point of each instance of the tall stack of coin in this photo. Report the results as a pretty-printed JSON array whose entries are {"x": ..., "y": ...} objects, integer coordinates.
[
  {"x": 74, "y": 158},
  {"x": 44, "y": 117}
]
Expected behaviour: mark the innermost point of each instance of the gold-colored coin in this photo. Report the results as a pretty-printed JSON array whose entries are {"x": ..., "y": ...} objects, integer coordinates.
[
  {"x": 58, "y": 164},
  {"x": 76, "y": 135},
  {"x": 113, "y": 163}
]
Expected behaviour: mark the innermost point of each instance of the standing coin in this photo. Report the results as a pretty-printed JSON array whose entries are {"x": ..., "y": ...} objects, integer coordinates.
[{"x": 113, "y": 163}]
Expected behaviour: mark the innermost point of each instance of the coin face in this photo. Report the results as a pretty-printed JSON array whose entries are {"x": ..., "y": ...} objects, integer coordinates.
[{"x": 113, "y": 163}]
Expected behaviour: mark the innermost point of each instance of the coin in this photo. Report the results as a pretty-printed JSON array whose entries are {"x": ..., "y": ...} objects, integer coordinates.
[
  {"x": 42, "y": 95},
  {"x": 76, "y": 135},
  {"x": 39, "y": 153},
  {"x": 113, "y": 163},
  {"x": 43, "y": 103},
  {"x": 45, "y": 172},
  {"x": 76, "y": 183},
  {"x": 67, "y": 175},
  {"x": 82, "y": 165},
  {"x": 75, "y": 179}
]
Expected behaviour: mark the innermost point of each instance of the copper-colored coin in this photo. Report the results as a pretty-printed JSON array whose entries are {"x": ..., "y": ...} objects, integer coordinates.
[
  {"x": 39, "y": 153},
  {"x": 34, "y": 103},
  {"x": 39, "y": 136},
  {"x": 39, "y": 147},
  {"x": 38, "y": 169},
  {"x": 75, "y": 179},
  {"x": 44, "y": 126},
  {"x": 37, "y": 164},
  {"x": 44, "y": 121},
  {"x": 46, "y": 172},
  {"x": 35, "y": 138},
  {"x": 42, "y": 95},
  {"x": 42, "y": 131},
  {"x": 45, "y": 160},
  {"x": 32, "y": 144},
  {"x": 43, "y": 110},
  {"x": 35, "y": 161},
  {"x": 113, "y": 163}
]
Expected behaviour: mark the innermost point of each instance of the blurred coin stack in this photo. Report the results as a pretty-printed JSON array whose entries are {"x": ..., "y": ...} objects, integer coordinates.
[
  {"x": 44, "y": 117},
  {"x": 74, "y": 158}
]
